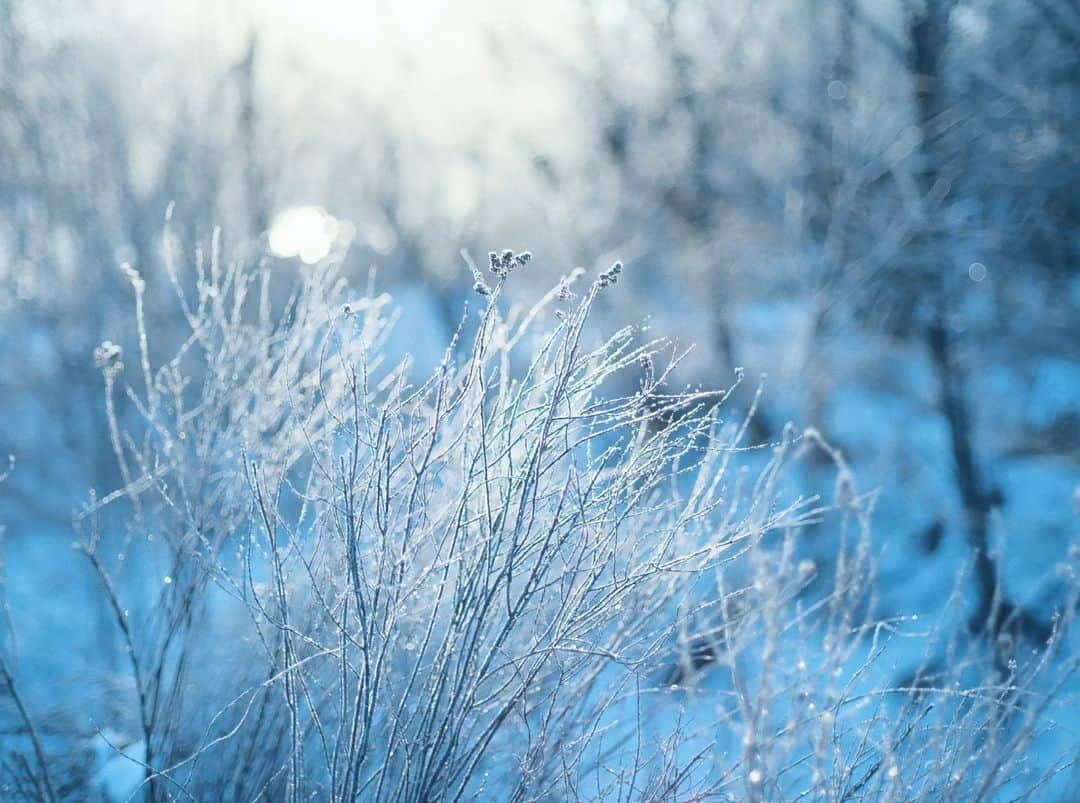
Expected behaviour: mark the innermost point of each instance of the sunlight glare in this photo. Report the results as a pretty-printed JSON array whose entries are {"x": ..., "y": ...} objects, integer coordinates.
[{"x": 307, "y": 232}]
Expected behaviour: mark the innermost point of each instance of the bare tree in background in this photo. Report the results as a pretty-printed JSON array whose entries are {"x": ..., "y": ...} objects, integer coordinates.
[
  {"x": 86, "y": 179},
  {"x": 907, "y": 174}
]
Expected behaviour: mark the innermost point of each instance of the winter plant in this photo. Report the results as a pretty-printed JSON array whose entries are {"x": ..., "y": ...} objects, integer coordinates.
[{"x": 538, "y": 574}]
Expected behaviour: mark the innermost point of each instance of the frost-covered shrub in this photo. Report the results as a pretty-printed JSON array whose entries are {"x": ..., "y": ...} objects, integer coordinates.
[{"x": 506, "y": 582}]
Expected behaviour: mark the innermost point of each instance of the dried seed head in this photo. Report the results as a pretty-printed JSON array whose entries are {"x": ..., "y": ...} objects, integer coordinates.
[
  {"x": 108, "y": 355},
  {"x": 496, "y": 266},
  {"x": 610, "y": 276},
  {"x": 502, "y": 264}
]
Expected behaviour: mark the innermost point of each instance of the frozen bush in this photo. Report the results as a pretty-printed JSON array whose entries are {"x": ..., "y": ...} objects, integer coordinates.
[{"x": 510, "y": 581}]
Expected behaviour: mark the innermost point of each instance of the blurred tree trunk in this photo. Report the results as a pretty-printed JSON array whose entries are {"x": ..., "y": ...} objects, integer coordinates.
[
  {"x": 696, "y": 202},
  {"x": 256, "y": 200},
  {"x": 928, "y": 34},
  {"x": 828, "y": 160}
]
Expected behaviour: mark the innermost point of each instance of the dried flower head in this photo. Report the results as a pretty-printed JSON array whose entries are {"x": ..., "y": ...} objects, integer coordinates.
[
  {"x": 108, "y": 355},
  {"x": 610, "y": 276},
  {"x": 502, "y": 264},
  {"x": 479, "y": 285}
]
